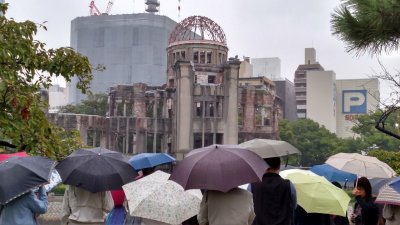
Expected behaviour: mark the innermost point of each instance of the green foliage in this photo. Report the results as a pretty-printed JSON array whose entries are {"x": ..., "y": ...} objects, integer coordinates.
[
  {"x": 391, "y": 158},
  {"x": 26, "y": 67},
  {"x": 96, "y": 104},
  {"x": 365, "y": 127},
  {"x": 315, "y": 142},
  {"x": 59, "y": 189},
  {"x": 368, "y": 25}
]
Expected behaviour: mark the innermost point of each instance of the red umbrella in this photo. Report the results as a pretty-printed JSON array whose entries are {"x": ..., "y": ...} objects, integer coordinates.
[
  {"x": 17, "y": 154},
  {"x": 219, "y": 167}
]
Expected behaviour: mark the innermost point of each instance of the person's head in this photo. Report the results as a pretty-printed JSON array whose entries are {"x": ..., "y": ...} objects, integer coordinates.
[
  {"x": 362, "y": 184},
  {"x": 337, "y": 184},
  {"x": 148, "y": 171},
  {"x": 274, "y": 163}
]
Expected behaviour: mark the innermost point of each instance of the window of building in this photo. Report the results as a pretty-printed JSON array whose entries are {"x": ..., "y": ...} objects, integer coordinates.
[
  {"x": 196, "y": 57},
  {"x": 209, "y": 57},
  {"x": 183, "y": 54},
  {"x": 240, "y": 114},
  {"x": 198, "y": 109},
  {"x": 202, "y": 57},
  {"x": 211, "y": 79},
  {"x": 210, "y": 107}
]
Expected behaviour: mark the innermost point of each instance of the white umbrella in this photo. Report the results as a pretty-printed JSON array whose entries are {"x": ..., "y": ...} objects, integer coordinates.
[
  {"x": 361, "y": 165},
  {"x": 268, "y": 148},
  {"x": 157, "y": 198},
  {"x": 285, "y": 173}
]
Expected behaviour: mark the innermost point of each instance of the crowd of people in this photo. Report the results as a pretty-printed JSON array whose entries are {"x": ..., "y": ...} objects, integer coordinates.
[{"x": 272, "y": 201}]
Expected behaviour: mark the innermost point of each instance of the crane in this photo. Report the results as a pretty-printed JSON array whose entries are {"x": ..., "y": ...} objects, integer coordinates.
[{"x": 94, "y": 11}]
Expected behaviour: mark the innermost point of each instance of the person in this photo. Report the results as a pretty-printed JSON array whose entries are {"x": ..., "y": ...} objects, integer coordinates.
[
  {"x": 84, "y": 207},
  {"x": 22, "y": 210},
  {"x": 118, "y": 213},
  {"x": 391, "y": 213},
  {"x": 304, "y": 218},
  {"x": 335, "y": 219},
  {"x": 234, "y": 207},
  {"x": 365, "y": 211},
  {"x": 274, "y": 198}
]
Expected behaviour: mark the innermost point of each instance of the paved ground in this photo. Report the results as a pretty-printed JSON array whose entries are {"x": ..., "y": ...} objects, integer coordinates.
[{"x": 53, "y": 215}]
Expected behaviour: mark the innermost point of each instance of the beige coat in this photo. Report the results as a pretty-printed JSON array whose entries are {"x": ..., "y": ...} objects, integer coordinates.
[
  {"x": 392, "y": 214},
  {"x": 234, "y": 208},
  {"x": 83, "y": 207}
]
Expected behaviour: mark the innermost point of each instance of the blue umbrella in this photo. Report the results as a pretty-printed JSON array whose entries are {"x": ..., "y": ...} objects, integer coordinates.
[
  {"x": 395, "y": 184},
  {"x": 333, "y": 174},
  {"x": 148, "y": 160}
]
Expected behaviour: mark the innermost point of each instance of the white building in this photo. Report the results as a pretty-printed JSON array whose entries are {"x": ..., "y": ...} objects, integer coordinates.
[
  {"x": 267, "y": 67},
  {"x": 321, "y": 98},
  {"x": 354, "y": 97},
  {"x": 58, "y": 97}
]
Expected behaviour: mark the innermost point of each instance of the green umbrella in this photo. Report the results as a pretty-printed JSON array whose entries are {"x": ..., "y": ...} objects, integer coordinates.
[{"x": 317, "y": 195}]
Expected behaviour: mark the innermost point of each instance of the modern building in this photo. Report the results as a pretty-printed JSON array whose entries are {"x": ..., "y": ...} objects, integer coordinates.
[
  {"x": 354, "y": 97},
  {"x": 131, "y": 47},
  {"x": 267, "y": 67},
  {"x": 315, "y": 92},
  {"x": 286, "y": 92},
  {"x": 58, "y": 97}
]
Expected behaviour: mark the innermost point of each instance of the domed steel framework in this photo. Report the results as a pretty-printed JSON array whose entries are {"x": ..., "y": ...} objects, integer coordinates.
[{"x": 197, "y": 28}]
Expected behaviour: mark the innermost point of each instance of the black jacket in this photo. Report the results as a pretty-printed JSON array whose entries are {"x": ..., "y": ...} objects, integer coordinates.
[
  {"x": 273, "y": 204},
  {"x": 369, "y": 211}
]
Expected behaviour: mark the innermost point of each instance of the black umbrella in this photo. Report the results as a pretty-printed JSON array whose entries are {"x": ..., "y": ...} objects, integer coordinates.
[
  {"x": 19, "y": 175},
  {"x": 96, "y": 169}
]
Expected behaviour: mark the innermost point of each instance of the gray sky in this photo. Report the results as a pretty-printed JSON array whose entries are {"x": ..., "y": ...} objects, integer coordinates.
[{"x": 254, "y": 28}]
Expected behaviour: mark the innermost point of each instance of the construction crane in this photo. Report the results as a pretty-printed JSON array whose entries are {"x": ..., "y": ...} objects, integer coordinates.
[{"x": 94, "y": 11}]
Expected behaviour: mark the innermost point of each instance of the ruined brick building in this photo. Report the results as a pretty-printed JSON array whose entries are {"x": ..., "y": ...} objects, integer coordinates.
[{"x": 203, "y": 101}]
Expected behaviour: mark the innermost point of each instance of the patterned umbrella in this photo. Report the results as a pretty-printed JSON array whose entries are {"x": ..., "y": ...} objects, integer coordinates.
[
  {"x": 157, "y": 198},
  {"x": 361, "y": 165},
  {"x": 388, "y": 195}
]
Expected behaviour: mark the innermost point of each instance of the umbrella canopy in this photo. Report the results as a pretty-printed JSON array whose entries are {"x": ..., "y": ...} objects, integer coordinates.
[
  {"x": 157, "y": 198},
  {"x": 388, "y": 195},
  {"x": 148, "y": 160},
  {"x": 219, "y": 167},
  {"x": 96, "y": 170},
  {"x": 315, "y": 194},
  {"x": 268, "y": 148},
  {"x": 378, "y": 183},
  {"x": 285, "y": 173},
  {"x": 361, "y": 165},
  {"x": 19, "y": 175},
  {"x": 395, "y": 184},
  {"x": 333, "y": 174},
  {"x": 17, "y": 154}
]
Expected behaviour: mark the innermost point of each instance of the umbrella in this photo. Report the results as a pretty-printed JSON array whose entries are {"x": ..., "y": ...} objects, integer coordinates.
[
  {"x": 219, "y": 167},
  {"x": 285, "y": 173},
  {"x": 361, "y": 165},
  {"x": 315, "y": 194},
  {"x": 395, "y": 184},
  {"x": 333, "y": 174},
  {"x": 17, "y": 154},
  {"x": 268, "y": 148},
  {"x": 19, "y": 175},
  {"x": 96, "y": 170},
  {"x": 157, "y": 198},
  {"x": 378, "y": 183},
  {"x": 148, "y": 160},
  {"x": 388, "y": 195}
]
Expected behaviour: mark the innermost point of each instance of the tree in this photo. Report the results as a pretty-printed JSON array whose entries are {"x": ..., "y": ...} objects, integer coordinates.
[
  {"x": 26, "y": 67},
  {"x": 391, "y": 158},
  {"x": 368, "y": 25},
  {"x": 96, "y": 104},
  {"x": 316, "y": 143}
]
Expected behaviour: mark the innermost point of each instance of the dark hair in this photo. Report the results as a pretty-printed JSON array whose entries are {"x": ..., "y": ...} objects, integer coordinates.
[
  {"x": 337, "y": 184},
  {"x": 364, "y": 183},
  {"x": 274, "y": 162}
]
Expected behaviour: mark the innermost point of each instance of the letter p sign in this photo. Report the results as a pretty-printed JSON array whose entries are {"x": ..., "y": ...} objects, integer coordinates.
[{"x": 354, "y": 101}]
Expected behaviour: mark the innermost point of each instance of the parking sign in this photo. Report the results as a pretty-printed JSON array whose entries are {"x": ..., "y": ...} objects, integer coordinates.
[{"x": 354, "y": 101}]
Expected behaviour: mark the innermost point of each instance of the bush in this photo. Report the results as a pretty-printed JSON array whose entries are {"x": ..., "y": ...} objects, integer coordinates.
[{"x": 59, "y": 189}]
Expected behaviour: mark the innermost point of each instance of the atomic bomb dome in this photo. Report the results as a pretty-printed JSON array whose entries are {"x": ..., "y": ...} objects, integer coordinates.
[{"x": 197, "y": 28}]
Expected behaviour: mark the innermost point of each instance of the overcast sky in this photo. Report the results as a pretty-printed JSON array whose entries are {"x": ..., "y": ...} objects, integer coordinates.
[{"x": 254, "y": 28}]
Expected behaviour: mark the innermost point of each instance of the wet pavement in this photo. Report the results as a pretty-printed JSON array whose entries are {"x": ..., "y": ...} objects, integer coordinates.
[{"x": 53, "y": 215}]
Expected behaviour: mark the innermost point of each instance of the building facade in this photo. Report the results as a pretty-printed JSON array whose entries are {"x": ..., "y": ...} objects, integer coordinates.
[
  {"x": 286, "y": 92},
  {"x": 354, "y": 97},
  {"x": 131, "y": 47}
]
